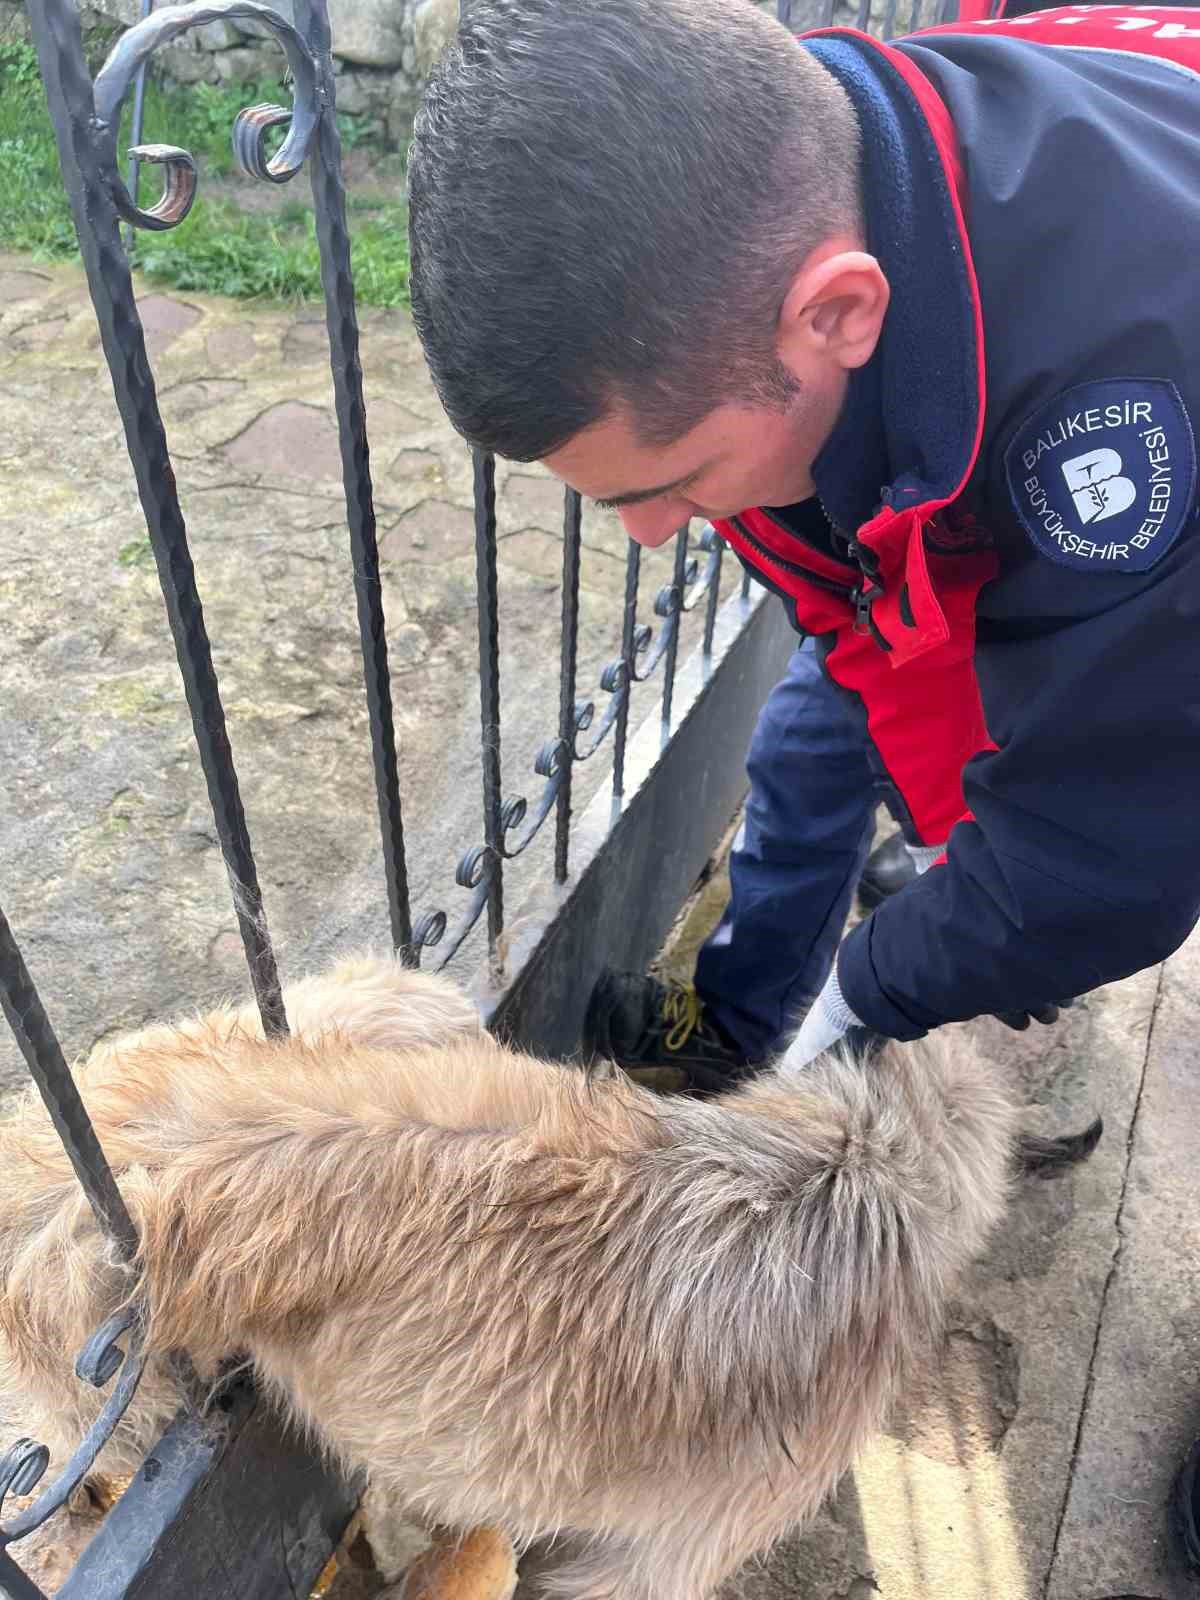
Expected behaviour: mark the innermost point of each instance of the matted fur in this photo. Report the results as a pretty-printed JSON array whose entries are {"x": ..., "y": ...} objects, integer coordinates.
[{"x": 516, "y": 1295}]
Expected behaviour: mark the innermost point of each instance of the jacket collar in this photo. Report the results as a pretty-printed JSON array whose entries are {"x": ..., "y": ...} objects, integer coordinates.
[{"x": 909, "y": 435}]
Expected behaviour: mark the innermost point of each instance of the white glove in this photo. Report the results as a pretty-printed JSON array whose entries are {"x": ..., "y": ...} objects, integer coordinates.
[
  {"x": 829, "y": 1019},
  {"x": 923, "y": 856}
]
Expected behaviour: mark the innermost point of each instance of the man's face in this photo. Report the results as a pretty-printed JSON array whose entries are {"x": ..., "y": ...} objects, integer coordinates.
[
  {"x": 744, "y": 455},
  {"x": 738, "y": 456}
]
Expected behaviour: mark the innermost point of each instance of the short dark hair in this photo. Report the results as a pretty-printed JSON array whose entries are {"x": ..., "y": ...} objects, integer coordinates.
[{"x": 608, "y": 201}]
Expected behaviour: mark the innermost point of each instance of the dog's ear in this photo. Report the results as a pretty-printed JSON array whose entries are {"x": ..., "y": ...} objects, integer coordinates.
[{"x": 1042, "y": 1157}]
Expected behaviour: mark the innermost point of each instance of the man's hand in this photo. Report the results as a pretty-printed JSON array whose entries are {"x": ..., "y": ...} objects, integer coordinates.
[
  {"x": 829, "y": 1019},
  {"x": 1020, "y": 1020}
]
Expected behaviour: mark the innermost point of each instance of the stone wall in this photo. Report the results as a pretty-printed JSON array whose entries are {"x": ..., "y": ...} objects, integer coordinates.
[{"x": 382, "y": 50}]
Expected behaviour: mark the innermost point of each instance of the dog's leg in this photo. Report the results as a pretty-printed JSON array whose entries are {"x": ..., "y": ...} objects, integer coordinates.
[{"x": 479, "y": 1565}]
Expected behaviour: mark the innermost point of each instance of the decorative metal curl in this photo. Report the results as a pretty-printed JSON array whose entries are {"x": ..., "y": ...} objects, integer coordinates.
[
  {"x": 711, "y": 543},
  {"x": 310, "y": 97},
  {"x": 473, "y": 867},
  {"x": 474, "y": 872},
  {"x": 179, "y": 188},
  {"x": 614, "y": 680},
  {"x": 22, "y": 1467},
  {"x": 429, "y": 930},
  {"x": 668, "y": 604},
  {"x": 476, "y": 866},
  {"x": 618, "y": 675},
  {"x": 249, "y": 143},
  {"x": 551, "y": 763}
]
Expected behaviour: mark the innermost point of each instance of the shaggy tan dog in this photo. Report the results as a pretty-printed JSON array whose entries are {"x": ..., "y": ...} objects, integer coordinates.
[{"x": 516, "y": 1295}]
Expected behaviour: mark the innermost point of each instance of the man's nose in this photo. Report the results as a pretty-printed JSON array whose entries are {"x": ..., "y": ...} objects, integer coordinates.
[{"x": 653, "y": 523}]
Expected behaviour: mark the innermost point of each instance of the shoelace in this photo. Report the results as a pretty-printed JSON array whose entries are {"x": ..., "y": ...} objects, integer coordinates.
[{"x": 682, "y": 1009}]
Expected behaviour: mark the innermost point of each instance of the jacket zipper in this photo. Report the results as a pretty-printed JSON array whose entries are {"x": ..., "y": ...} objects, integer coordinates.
[
  {"x": 831, "y": 585},
  {"x": 859, "y": 594}
]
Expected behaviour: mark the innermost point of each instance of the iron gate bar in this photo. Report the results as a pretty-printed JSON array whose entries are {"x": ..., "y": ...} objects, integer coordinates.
[
  {"x": 480, "y": 869},
  {"x": 711, "y": 541},
  {"x": 615, "y": 678},
  {"x": 333, "y": 239},
  {"x": 569, "y": 714},
  {"x": 27, "y": 1018},
  {"x": 13, "y": 1582},
  {"x": 488, "y": 614},
  {"x": 227, "y": 1509},
  {"x": 633, "y": 564},
  {"x": 682, "y": 576},
  {"x": 87, "y": 154},
  {"x": 650, "y": 648}
]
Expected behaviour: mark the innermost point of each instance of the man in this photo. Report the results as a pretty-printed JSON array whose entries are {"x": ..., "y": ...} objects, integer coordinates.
[
  {"x": 915, "y": 326},
  {"x": 646, "y": 251}
]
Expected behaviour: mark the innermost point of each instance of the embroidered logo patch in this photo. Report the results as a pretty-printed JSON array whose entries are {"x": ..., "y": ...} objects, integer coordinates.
[{"x": 1104, "y": 476}]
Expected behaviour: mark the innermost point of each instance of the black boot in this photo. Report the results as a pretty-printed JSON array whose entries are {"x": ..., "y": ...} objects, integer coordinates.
[
  {"x": 646, "y": 1026},
  {"x": 889, "y": 868}
]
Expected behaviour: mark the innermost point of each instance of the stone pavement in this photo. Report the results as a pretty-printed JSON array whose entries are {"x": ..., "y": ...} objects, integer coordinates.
[{"x": 1034, "y": 1463}]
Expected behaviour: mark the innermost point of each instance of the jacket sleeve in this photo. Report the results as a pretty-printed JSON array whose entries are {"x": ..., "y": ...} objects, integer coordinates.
[{"x": 1080, "y": 863}]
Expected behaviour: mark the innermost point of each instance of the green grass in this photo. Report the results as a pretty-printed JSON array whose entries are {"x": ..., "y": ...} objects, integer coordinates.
[
  {"x": 219, "y": 249},
  {"x": 137, "y": 553}
]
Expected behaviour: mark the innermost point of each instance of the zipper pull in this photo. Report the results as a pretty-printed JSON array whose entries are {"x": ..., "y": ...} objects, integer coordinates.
[
  {"x": 867, "y": 562},
  {"x": 869, "y": 590},
  {"x": 863, "y": 600}
]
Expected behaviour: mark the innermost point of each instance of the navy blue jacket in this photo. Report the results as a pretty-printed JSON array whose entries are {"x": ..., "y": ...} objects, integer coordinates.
[{"x": 1009, "y": 582}]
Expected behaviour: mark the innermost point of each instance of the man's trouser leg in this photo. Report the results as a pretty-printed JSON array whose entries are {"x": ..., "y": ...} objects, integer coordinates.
[{"x": 808, "y": 828}]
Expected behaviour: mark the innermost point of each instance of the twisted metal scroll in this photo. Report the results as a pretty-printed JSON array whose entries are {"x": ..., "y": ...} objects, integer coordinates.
[{"x": 121, "y": 70}]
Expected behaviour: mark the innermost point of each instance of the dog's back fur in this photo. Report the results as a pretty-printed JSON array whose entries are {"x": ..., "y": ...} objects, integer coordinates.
[{"x": 515, "y": 1294}]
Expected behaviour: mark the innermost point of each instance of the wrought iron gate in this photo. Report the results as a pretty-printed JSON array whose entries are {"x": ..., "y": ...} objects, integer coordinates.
[{"x": 225, "y": 1506}]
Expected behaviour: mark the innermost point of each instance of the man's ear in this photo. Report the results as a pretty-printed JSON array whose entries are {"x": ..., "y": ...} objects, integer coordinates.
[{"x": 833, "y": 312}]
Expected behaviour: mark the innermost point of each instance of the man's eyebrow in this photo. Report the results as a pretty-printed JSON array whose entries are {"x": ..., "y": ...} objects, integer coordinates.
[{"x": 633, "y": 497}]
